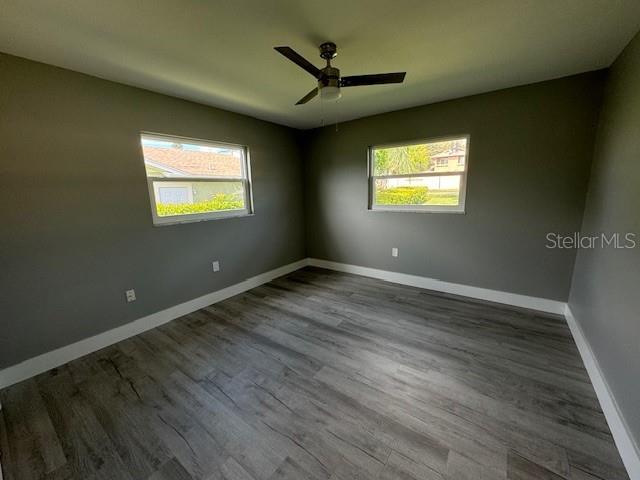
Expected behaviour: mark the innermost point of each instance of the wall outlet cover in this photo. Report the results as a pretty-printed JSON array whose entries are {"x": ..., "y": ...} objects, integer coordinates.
[
  {"x": 131, "y": 295},
  {"x": 216, "y": 266}
]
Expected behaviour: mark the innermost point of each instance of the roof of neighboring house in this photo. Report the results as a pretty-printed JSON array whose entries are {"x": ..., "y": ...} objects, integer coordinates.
[
  {"x": 192, "y": 162},
  {"x": 454, "y": 152}
]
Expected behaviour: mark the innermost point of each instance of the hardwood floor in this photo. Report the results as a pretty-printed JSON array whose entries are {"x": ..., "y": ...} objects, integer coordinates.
[{"x": 319, "y": 375}]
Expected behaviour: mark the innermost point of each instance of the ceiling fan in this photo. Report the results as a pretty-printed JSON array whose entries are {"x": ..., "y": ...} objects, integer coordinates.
[{"x": 329, "y": 80}]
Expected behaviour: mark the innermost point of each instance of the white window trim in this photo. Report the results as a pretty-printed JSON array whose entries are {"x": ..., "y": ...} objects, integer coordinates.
[
  {"x": 201, "y": 217},
  {"x": 459, "y": 209}
]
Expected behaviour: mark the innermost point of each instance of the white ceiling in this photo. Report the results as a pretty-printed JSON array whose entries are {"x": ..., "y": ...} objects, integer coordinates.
[{"x": 220, "y": 52}]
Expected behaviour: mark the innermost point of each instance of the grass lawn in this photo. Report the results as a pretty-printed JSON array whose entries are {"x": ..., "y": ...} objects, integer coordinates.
[{"x": 442, "y": 197}]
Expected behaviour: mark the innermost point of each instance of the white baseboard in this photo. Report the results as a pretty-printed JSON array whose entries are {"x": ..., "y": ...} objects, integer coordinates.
[
  {"x": 514, "y": 299},
  {"x": 40, "y": 364},
  {"x": 625, "y": 442}
]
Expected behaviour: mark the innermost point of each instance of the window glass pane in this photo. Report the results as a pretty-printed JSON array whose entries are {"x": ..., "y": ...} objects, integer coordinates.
[
  {"x": 165, "y": 157},
  {"x": 196, "y": 179},
  {"x": 445, "y": 156},
  {"x": 168, "y": 194},
  {"x": 188, "y": 198},
  {"x": 434, "y": 190}
]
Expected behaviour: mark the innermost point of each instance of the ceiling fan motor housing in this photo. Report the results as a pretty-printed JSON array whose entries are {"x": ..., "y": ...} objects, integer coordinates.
[
  {"x": 328, "y": 50},
  {"x": 330, "y": 77}
]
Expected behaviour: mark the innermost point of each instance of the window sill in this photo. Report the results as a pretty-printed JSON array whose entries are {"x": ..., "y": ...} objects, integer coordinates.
[
  {"x": 415, "y": 210},
  {"x": 176, "y": 221}
]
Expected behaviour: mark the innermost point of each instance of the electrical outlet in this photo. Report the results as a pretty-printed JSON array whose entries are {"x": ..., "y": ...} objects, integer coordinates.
[
  {"x": 394, "y": 252},
  {"x": 131, "y": 295},
  {"x": 216, "y": 266}
]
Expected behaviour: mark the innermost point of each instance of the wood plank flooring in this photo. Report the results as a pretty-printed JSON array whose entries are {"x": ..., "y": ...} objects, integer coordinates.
[{"x": 319, "y": 375}]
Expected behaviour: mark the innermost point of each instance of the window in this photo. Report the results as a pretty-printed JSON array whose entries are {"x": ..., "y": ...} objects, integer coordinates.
[
  {"x": 193, "y": 180},
  {"x": 427, "y": 176}
]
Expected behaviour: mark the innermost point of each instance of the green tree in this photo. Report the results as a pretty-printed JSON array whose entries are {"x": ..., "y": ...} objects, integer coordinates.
[
  {"x": 419, "y": 158},
  {"x": 381, "y": 162},
  {"x": 401, "y": 160},
  {"x": 411, "y": 158}
]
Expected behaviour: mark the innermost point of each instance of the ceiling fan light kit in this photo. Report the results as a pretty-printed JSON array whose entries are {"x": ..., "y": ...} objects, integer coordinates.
[
  {"x": 330, "y": 94},
  {"x": 329, "y": 80}
]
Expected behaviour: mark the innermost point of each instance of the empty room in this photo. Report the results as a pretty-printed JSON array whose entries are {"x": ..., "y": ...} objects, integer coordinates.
[{"x": 305, "y": 240}]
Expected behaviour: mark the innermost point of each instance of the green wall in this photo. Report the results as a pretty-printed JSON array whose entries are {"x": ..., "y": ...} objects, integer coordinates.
[
  {"x": 76, "y": 222},
  {"x": 604, "y": 294},
  {"x": 529, "y": 158}
]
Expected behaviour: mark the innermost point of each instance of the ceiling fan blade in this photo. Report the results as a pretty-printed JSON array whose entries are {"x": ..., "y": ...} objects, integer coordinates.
[
  {"x": 375, "y": 79},
  {"x": 308, "y": 96},
  {"x": 299, "y": 60}
]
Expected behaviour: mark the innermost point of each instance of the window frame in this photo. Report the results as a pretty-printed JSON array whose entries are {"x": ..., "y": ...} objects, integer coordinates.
[
  {"x": 200, "y": 217},
  {"x": 458, "y": 209}
]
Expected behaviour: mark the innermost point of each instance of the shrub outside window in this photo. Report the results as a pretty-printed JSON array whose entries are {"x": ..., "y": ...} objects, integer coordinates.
[
  {"x": 194, "y": 180},
  {"x": 423, "y": 176}
]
